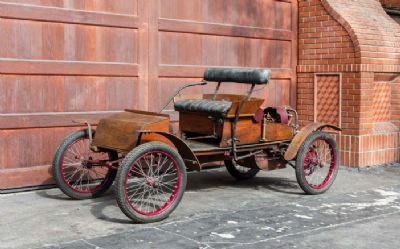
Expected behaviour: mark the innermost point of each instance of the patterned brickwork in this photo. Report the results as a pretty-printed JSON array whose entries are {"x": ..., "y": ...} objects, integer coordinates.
[
  {"x": 395, "y": 102},
  {"x": 381, "y": 102},
  {"x": 328, "y": 99}
]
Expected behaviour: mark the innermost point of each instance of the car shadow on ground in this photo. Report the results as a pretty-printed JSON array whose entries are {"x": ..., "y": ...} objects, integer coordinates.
[
  {"x": 209, "y": 180},
  {"x": 51, "y": 194},
  {"x": 205, "y": 181}
]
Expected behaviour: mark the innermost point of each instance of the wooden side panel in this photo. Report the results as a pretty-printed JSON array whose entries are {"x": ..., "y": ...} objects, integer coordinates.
[
  {"x": 196, "y": 122},
  {"x": 120, "y": 131},
  {"x": 248, "y": 130},
  {"x": 276, "y": 131},
  {"x": 160, "y": 126}
]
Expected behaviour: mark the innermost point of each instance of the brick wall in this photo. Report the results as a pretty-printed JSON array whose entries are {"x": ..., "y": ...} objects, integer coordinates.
[{"x": 359, "y": 44}]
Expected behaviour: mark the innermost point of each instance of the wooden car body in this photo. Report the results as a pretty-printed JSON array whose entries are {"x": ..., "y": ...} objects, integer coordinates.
[
  {"x": 149, "y": 161},
  {"x": 244, "y": 132}
]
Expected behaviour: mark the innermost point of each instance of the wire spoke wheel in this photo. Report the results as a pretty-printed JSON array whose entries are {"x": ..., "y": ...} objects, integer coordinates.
[
  {"x": 80, "y": 172},
  {"x": 151, "y": 182},
  {"x": 317, "y": 163}
]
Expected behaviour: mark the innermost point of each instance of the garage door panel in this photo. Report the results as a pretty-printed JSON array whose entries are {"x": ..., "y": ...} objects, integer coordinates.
[
  {"x": 253, "y": 13},
  {"x": 30, "y": 147},
  {"x": 73, "y": 42},
  {"x": 127, "y": 7},
  {"x": 210, "y": 50},
  {"x": 99, "y": 94},
  {"x": 26, "y": 93}
]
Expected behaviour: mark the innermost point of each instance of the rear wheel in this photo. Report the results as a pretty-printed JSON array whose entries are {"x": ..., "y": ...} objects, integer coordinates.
[
  {"x": 150, "y": 182},
  {"x": 74, "y": 169},
  {"x": 240, "y": 172},
  {"x": 317, "y": 163}
]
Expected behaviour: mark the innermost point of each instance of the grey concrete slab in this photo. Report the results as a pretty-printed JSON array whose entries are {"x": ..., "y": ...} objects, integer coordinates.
[
  {"x": 81, "y": 244},
  {"x": 271, "y": 221},
  {"x": 379, "y": 233},
  {"x": 141, "y": 238},
  {"x": 269, "y": 211}
]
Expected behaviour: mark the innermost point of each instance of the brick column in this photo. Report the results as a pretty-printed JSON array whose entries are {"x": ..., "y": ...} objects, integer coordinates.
[{"x": 349, "y": 56}]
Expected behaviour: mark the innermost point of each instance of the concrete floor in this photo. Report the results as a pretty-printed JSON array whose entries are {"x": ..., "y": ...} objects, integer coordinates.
[{"x": 362, "y": 210}]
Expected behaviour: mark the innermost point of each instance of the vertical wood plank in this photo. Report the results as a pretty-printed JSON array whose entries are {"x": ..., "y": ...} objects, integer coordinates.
[
  {"x": 294, "y": 53},
  {"x": 143, "y": 58},
  {"x": 153, "y": 54}
]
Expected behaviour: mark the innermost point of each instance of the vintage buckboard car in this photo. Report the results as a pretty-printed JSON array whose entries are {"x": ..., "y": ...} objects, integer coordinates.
[{"x": 149, "y": 163}]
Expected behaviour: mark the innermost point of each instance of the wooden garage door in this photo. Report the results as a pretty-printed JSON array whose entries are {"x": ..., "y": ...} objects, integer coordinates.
[{"x": 66, "y": 59}]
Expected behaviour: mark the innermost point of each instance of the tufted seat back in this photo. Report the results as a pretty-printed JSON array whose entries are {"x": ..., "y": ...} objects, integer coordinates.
[{"x": 216, "y": 108}]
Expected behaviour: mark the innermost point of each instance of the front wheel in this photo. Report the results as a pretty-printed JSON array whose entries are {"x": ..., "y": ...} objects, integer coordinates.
[
  {"x": 79, "y": 172},
  {"x": 317, "y": 163},
  {"x": 151, "y": 182}
]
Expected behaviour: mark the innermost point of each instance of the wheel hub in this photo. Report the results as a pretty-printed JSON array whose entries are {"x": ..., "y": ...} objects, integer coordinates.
[
  {"x": 87, "y": 164},
  {"x": 311, "y": 162},
  {"x": 152, "y": 182}
]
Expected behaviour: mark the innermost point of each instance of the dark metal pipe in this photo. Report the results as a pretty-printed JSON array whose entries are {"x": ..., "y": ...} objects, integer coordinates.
[{"x": 201, "y": 83}]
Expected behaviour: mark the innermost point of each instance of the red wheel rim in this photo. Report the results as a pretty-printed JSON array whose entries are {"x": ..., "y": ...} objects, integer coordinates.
[
  {"x": 319, "y": 163},
  {"x": 77, "y": 173},
  {"x": 152, "y": 183}
]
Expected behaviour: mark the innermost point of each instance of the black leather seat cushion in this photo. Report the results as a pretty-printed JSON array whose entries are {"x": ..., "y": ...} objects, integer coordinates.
[
  {"x": 211, "y": 107},
  {"x": 239, "y": 75}
]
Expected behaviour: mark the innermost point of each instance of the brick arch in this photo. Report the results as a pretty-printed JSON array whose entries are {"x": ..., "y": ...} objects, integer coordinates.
[
  {"x": 371, "y": 30},
  {"x": 335, "y": 13}
]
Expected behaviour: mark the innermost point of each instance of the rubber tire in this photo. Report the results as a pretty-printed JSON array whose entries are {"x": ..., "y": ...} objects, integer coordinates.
[
  {"x": 300, "y": 163},
  {"x": 130, "y": 158},
  {"x": 58, "y": 175},
  {"x": 239, "y": 175}
]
